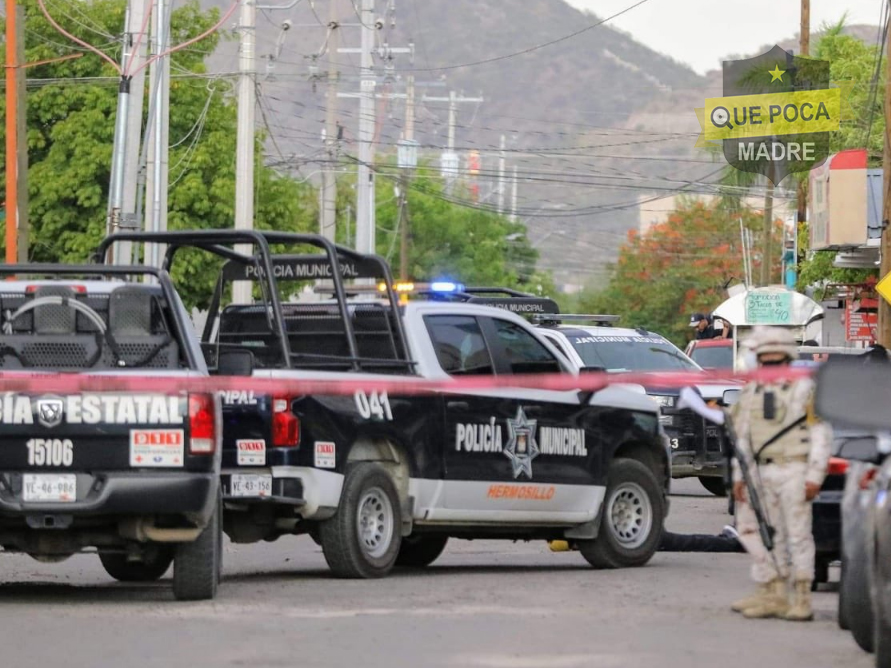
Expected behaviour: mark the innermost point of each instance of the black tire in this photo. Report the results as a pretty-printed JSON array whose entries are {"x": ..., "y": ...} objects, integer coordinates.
[
  {"x": 350, "y": 551},
  {"x": 156, "y": 559},
  {"x": 197, "y": 565},
  {"x": 855, "y": 607},
  {"x": 713, "y": 485},
  {"x": 881, "y": 624},
  {"x": 420, "y": 550},
  {"x": 631, "y": 518},
  {"x": 821, "y": 573},
  {"x": 843, "y": 622}
]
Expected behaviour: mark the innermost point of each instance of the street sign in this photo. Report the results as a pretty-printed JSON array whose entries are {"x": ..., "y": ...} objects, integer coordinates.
[
  {"x": 860, "y": 320},
  {"x": 768, "y": 308},
  {"x": 883, "y": 287}
]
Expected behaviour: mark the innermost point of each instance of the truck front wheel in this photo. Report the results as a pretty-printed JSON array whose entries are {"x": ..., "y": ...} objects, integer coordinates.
[
  {"x": 420, "y": 550},
  {"x": 362, "y": 540},
  {"x": 631, "y": 518}
]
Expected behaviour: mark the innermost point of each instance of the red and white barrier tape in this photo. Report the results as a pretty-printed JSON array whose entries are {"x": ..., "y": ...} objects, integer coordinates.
[{"x": 343, "y": 384}]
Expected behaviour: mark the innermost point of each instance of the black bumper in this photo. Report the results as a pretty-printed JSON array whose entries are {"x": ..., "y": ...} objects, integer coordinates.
[
  {"x": 122, "y": 494},
  {"x": 285, "y": 491}
]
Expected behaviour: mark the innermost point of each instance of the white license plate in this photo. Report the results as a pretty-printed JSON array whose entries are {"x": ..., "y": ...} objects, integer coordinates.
[
  {"x": 42, "y": 487},
  {"x": 247, "y": 484}
]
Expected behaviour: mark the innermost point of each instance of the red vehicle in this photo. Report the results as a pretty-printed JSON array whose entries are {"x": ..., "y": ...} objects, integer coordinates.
[{"x": 711, "y": 353}]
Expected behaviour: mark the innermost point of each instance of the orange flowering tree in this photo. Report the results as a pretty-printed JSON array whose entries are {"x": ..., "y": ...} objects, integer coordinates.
[{"x": 679, "y": 267}]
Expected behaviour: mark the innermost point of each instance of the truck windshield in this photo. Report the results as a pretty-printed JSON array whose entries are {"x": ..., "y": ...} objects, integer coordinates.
[
  {"x": 631, "y": 353},
  {"x": 716, "y": 357}
]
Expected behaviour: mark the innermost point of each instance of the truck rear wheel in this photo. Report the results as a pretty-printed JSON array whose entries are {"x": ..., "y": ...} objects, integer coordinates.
[
  {"x": 420, "y": 550},
  {"x": 631, "y": 518},
  {"x": 362, "y": 540},
  {"x": 714, "y": 485},
  {"x": 156, "y": 559},
  {"x": 197, "y": 565}
]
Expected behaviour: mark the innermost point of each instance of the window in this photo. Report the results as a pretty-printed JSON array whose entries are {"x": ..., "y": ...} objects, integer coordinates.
[
  {"x": 522, "y": 351},
  {"x": 618, "y": 352},
  {"x": 717, "y": 357},
  {"x": 459, "y": 345}
]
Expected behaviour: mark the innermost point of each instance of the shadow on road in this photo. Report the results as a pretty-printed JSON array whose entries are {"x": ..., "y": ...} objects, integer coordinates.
[{"x": 26, "y": 593}]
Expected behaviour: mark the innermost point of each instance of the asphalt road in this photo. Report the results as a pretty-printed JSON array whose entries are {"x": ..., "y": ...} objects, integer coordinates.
[{"x": 483, "y": 604}]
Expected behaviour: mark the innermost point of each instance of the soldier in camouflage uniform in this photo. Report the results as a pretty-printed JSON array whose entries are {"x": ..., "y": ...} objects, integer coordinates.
[{"x": 788, "y": 453}]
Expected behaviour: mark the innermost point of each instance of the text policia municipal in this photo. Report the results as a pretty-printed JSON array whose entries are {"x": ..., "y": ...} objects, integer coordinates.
[{"x": 487, "y": 437}]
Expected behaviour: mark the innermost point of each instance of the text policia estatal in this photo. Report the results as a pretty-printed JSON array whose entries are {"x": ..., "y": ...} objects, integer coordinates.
[{"x": 95, "y": 409}]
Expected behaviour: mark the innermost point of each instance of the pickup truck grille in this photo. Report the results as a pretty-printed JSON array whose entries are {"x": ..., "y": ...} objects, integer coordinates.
[{"x": 688, "y": 421}]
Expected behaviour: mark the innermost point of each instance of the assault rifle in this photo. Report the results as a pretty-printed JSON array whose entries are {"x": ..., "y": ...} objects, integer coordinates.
[{"x": 753, "y": 497}]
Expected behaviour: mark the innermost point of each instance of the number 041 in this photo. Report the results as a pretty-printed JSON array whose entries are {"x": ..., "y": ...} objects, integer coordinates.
[{"x": 374, "y": 404}]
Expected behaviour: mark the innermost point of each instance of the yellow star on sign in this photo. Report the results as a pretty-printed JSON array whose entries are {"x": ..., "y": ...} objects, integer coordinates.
[{"x": 776, "y": 74}]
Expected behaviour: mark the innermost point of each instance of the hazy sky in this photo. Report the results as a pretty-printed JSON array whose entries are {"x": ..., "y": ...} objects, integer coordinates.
[{"x": 701, "y": 32}]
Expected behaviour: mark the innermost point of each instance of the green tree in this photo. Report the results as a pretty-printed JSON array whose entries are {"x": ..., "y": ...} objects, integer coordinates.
[
  {"x": 678, "y": 267},
  {"x": 70, "y": 119},
  {"x": 447, "y": 240}
]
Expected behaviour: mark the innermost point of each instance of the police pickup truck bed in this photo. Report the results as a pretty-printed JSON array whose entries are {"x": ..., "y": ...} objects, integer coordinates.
[
  {"x": 131, "y": 474},
  {"x": 385, "y": 478}
]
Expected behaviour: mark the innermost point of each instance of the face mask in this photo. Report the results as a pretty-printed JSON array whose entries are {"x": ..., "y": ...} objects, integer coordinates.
[{"x": 773, "y": 363}]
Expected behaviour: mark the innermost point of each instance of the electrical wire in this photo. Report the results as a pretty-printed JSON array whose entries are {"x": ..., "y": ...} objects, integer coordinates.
[
  {"x": 76, "y": 40},
  {"x": 143, "y": 31},
  {"x": 188, "y": 42}
]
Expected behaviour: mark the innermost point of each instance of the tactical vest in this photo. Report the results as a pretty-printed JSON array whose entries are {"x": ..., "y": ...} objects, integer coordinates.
[{"x": 794, "y": 444}]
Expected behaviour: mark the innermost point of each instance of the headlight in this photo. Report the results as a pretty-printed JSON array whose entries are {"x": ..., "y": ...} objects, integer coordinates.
[{"x": 662, "y": 400}]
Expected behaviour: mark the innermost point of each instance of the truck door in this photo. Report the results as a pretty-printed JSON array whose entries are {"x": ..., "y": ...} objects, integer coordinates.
[{"x": 510, "y": 454}]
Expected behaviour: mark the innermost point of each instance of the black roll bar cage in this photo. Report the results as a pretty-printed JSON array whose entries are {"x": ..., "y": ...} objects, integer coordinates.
[
  {"x": 86, "y": 270},
  {"x": 217, "y": 242}
]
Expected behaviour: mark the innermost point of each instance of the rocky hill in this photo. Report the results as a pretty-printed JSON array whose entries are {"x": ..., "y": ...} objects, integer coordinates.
[{"x": 593, "y": 124}]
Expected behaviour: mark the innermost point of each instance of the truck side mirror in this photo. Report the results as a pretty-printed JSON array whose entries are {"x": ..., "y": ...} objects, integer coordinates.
[
  {"x": 235, "y": 363},
  {"x": 863, "y": 448},
  {"x": 731, "y": 397}
]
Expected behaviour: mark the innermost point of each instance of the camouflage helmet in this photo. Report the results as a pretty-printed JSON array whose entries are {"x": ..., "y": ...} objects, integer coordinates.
[{"x": 775, "y": 340}]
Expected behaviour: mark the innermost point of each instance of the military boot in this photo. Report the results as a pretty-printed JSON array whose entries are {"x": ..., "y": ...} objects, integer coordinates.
[
  {"x": 775, "y": 604},
  {"x": 752, "y": 599},
  {"x": 800, "y": 610}
]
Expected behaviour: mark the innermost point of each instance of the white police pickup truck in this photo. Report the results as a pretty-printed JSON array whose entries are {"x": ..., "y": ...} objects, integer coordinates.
[{"x": 381, "y": 479}]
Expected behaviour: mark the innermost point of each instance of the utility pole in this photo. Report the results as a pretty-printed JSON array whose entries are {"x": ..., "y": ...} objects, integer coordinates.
[
  {"x": 365, "y": 207},
  {"x": 884, "y": 308},
  {"x": 407, "y": 164},
  {"x": 513, "y": 198},
  {"x": 133, "y": 135},
  {"x": 244, "y": 151},
  {"x": 803, "y": 49},
  {"x": 453, "y": 115},
  {"x": 501, "y": 178},
  {"x": 159, "y": 90},
  {"x": 328, "y": 210},
  {"x": 766, "y": 252},
  {"x": 12, "y": 135},
  {"x": 450, "y": 159},
  {"x": 23, "y": 227}
]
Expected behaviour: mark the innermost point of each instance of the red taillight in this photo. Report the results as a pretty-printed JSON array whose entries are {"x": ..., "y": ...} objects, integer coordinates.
[
  {"x": 202, "y": 424},
  {"x": 837, "y": 466},
  {"x": 285, "y": 425},
  {"x": 867, "y": 477},
  {"x": 80, "y": 289}
]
